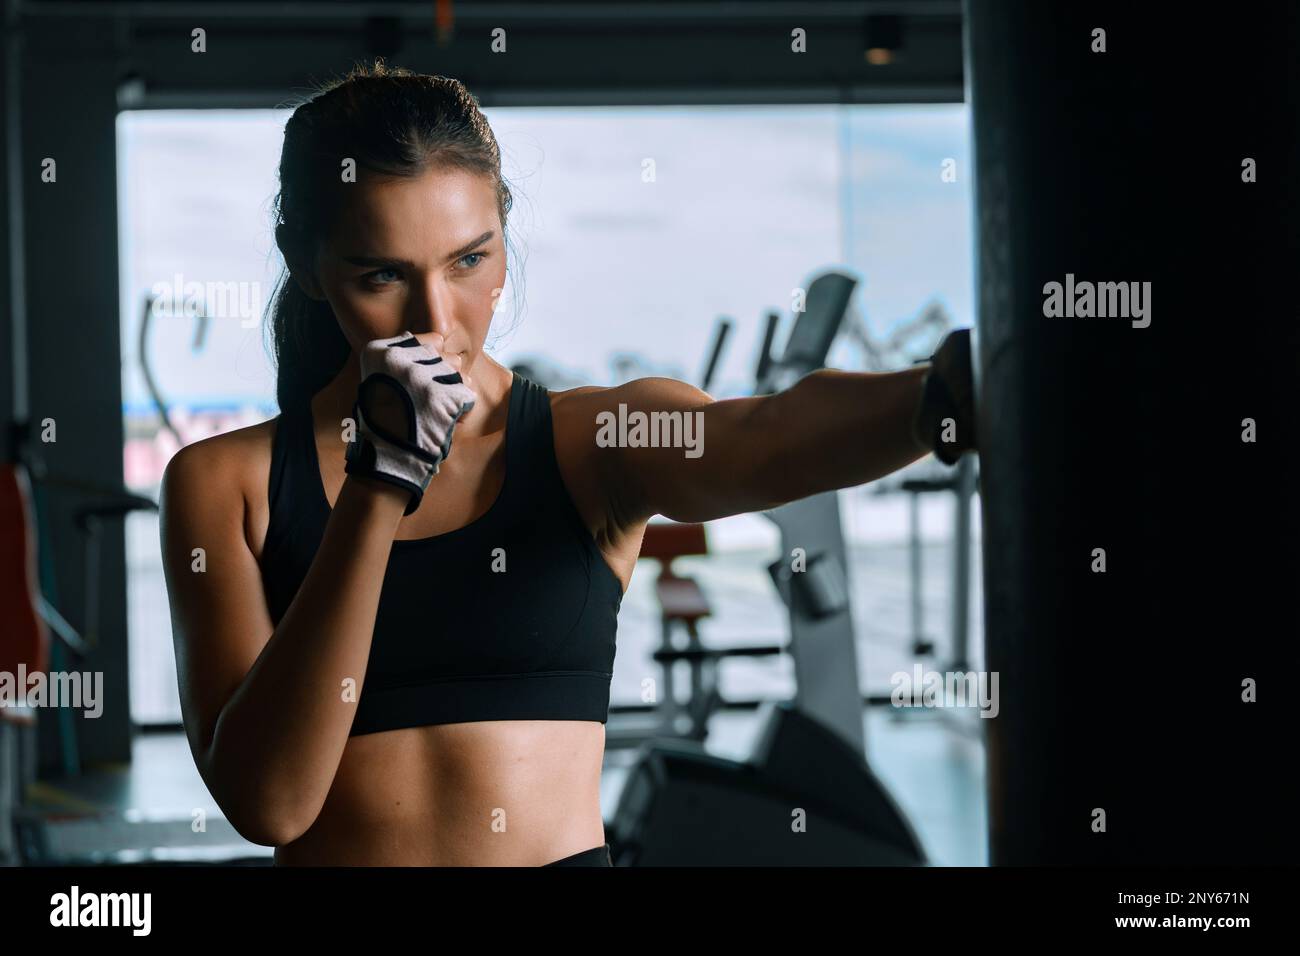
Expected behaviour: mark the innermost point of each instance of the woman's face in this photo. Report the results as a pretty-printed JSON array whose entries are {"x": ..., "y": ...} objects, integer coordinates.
[{"x": 423, "y": 254}]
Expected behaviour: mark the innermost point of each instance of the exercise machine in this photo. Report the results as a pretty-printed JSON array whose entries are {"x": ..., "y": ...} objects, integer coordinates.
[
  {"x": 682, "y": 606},
  {"x": 805, "y": 795}
]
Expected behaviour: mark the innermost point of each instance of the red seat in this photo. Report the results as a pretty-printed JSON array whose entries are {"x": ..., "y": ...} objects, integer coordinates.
[
  {"x": 665, "y": 540},
  {"x": 680, "y": 597},
  {"x": 24, "y": 638}
]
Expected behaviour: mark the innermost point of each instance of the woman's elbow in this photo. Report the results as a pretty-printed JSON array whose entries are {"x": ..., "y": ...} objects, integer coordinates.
[
  {"x": 265, "y": 824},
  {"x": 269, "y": 828},
  {"x": 257, "y": 816}
]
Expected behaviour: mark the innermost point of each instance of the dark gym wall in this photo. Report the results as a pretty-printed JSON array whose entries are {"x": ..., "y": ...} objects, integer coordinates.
[
  {"x": 8, "y": 157},
  {"x": 1121, "y": 691},
  {"x": 69, "y": 111}
]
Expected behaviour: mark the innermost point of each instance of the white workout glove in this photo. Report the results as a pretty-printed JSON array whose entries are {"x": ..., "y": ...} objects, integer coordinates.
[{"x": 435, "y": 398}]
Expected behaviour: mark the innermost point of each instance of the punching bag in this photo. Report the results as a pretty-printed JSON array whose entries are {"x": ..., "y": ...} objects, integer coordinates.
[{"x": 1136, "y": 192}]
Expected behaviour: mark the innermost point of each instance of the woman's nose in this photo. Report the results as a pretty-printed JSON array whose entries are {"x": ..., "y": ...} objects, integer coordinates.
[{"x": 431, "y": 312}]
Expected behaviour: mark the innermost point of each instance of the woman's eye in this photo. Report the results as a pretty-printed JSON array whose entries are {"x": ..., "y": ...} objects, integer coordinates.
[
  {"x": 479, "y": 255},
  {"x": 372, "y": 277}
]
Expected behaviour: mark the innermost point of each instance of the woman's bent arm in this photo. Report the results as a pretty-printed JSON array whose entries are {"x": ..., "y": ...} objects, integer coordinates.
[{"x": 268, "y": 709}]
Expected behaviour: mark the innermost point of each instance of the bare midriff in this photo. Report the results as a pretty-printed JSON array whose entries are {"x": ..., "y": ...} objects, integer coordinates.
[{"x": 485, "y": 793}]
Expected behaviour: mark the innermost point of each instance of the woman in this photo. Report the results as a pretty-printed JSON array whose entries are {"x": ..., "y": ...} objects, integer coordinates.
[{"x": 389, "y": 654}]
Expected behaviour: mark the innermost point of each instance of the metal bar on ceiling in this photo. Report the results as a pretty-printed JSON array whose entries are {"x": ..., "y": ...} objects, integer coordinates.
[{"x": 621, "y": 11}]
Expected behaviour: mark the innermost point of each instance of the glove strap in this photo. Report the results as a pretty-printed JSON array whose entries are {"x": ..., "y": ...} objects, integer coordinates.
[{"x": 361, "y": 460}]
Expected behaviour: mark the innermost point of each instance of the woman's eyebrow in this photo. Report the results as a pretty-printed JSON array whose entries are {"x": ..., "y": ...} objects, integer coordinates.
[
  {"x": 470, "y": 245},
  {"x": 386, "y": 262}
]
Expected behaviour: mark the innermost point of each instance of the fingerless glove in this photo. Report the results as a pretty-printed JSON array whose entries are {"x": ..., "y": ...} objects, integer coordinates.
[{"x": 435, "y": 398}]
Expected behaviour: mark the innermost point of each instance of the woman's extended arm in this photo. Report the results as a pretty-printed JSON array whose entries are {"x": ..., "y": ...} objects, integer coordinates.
[
  {"x": 831, "y": 429},
  {"x": 265, "y": 708}
]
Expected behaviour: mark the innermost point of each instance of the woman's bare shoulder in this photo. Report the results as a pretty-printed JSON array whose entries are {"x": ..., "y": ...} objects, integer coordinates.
[
  {"x": 239, "y": 452},
  {"x": 228, "y": 471}
]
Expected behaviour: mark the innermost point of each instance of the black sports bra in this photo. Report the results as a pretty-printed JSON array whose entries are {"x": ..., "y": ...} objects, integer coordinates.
[{"x": 512, "y": 617}]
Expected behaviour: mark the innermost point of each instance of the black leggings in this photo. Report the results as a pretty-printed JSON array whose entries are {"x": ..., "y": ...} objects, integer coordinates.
[{"x": 597, "y": 856}]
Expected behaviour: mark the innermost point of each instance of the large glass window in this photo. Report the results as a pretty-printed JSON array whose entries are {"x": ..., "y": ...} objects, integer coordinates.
[{"x": 637, "y": 228}]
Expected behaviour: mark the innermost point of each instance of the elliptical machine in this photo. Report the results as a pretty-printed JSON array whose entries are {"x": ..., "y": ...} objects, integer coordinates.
[{"x": 805, "y": 796}]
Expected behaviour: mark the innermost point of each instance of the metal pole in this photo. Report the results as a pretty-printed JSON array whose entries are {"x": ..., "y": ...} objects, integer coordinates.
[
  {"x": 964, "y": 486},
  {"x": 13, "y": 185},
  {"x": 914, "y": 568}
]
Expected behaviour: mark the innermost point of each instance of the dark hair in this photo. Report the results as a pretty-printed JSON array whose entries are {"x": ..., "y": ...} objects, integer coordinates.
[{"x": 390, "y": 121}]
